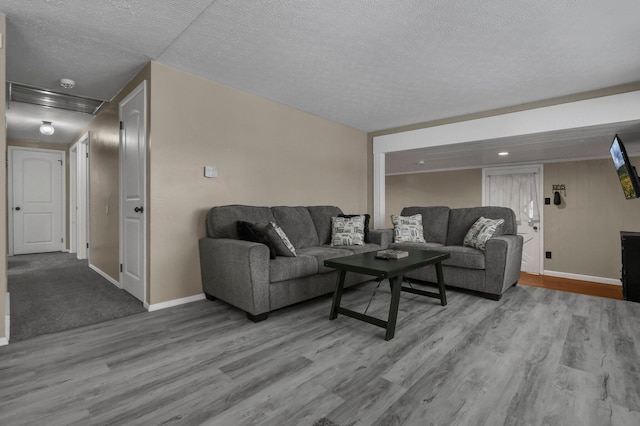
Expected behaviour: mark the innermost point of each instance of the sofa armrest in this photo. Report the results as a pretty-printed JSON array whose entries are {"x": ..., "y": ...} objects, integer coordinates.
[
  {"x": 503, "y": 259},
  {"x": 382, "y": 237},
  {"x": 236, "y": 272}
]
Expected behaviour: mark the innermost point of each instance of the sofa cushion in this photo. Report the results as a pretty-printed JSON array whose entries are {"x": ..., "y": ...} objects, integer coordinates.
[
  {"x": 222, "y": 220},
  {"x": 407, "y": 228},
  {"x": 435, "y": 220},
  {"x": 256, "y": 233},
  {"x": 321, "y": 216},
  {"x": 287, "y": 268},
  {"x": 464, "y": 257},
  {"x": 280, "y": 240},
  {"x": 481, "y": 231},
  {"x": 347, "y": 231},
  {"x": 296, "y": 222},
  {"x": 322, "y": 253},
  {"x": 460, "y": 220}
]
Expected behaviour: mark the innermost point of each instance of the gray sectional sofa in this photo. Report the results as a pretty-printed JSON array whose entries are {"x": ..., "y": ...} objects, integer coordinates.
[
  {"x": 242, "y": 273},
  {"x": 490, "y": 272}
]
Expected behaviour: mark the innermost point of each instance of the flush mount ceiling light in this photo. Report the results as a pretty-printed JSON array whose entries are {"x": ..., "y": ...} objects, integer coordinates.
[
  {"x": 503, "y": 154},
  {"x": 421, "y": 162},
  {"x": 67, "y": 83},
  {"x": 46, "y": 128}
]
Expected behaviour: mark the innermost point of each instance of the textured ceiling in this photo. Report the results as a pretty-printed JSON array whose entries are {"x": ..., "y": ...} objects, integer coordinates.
[{"x": 368, "y": 64}]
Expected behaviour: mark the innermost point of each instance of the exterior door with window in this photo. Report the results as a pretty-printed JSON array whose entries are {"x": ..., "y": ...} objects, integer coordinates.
[{"x": 519, "y": 189}]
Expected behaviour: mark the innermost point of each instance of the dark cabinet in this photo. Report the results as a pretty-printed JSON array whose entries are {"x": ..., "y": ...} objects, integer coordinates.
[{"x": 630, "y": 265}]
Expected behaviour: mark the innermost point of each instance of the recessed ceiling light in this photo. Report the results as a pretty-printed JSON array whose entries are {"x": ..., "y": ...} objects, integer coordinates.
[
  {"x": 421, "y": 162},
  {"x": 503, "y": 153}
]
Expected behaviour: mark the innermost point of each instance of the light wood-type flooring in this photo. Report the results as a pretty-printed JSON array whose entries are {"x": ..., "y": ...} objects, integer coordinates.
[{"x": 536, "y": 357}]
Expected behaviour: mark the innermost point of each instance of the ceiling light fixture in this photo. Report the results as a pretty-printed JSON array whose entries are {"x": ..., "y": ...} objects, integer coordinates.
[
  {"x": 503, "y": 154},
  {"x": 46, "y": 128},
  {"x": 67, "y": 83},
  {"x": 421, "y": 162}
]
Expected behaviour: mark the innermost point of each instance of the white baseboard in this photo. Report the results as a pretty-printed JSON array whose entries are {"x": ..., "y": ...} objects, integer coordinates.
[
  {"x": 105, "y": 276},
  {"x": 583, "y": 277},
  {"x": 175, "y": 302},
  {"x": 7, "y": 322}
]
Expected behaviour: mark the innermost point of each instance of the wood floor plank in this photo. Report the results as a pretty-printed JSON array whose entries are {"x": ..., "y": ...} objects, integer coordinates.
[{"x": 536, "y": 357}]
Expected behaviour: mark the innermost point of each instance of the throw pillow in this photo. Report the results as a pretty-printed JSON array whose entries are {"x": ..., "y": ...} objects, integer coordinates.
[
  {"x": 280, "y": 241},
  {"x": 347, "y": 231},
  {"x": 367, "y": 219},
  {"x": 480, "y": 232},
  {"x": 407, "y": 228},
  {"x": 256, "y": 233}
]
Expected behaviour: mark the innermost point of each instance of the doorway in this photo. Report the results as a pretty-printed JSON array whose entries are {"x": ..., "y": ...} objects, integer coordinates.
[
  {"x": 79, "y": 198},
  {"x": 36, "y": 198},
  {"x": 519, "y": 189}
]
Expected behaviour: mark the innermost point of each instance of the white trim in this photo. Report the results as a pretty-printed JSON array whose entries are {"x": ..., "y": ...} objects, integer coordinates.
[
  {"x": 82, "y": 197},
  {"x": 73, "y": 190},
  {"x": 7, "y": 320},
  {"x": 379, "y": 190},
  {"x": 105, "y": 275},
  {"x": 4, "y": 341},
  {"x": 580, "y": 277},
  {"x": 174, "y": 302}
]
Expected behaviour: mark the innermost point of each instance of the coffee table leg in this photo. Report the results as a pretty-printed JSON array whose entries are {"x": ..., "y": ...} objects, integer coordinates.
[
  {"x": 443, "y": 295},
  {"x": 337, "y": 295},
  {"x": 396, "y": 285}
]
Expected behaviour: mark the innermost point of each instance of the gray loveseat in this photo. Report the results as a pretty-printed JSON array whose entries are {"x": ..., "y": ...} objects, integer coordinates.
[
  {"x": 242, "y": 273},
  {"x": 490, "y": 272}
]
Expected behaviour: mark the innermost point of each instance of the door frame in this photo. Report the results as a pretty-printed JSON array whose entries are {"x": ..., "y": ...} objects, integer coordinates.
[
  {"x": 142, "y": 87},
  {"x": 518, "y": 169},
  {"x": 79, "y": 194},
  {"x": 63, "y": 200}
]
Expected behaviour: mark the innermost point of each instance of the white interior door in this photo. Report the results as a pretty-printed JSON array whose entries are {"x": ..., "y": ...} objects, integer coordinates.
[
  {"x": 73, "y": 203},
  {"x": 37, "y": 198},
  {"x": 132, "y": 191},
  {"x": 529, "y": 222}
]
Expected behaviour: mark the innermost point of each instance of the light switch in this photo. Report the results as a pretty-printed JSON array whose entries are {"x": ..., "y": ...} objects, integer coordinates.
[{"x": 210, "y": 171}]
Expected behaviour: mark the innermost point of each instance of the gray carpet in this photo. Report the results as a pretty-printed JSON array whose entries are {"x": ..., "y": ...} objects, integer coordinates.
[{"x": 52, "y": 292}]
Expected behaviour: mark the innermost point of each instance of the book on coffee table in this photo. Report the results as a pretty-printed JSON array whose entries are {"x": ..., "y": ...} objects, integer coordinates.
[{"x": 391, "y": 254}]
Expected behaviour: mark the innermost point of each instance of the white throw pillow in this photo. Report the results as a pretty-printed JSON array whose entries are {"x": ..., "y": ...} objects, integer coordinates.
[
  {"x": 407, "y": 228},
  {"x": 480, "y": 232},
  {"x": 347, "y": 231}
]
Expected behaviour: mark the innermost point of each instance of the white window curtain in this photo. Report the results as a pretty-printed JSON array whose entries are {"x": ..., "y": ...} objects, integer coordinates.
[{"x": 517, "y": 191}]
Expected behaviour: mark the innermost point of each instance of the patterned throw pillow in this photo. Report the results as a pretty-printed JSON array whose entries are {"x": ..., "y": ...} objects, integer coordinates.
[
  {"x": 347, "y": 231},
  {"x": 480, "y": 232},
  {"x": 367, "y": 219},
  {"x": 407, "y": 228},
  {"x": 280, "y": 241}
]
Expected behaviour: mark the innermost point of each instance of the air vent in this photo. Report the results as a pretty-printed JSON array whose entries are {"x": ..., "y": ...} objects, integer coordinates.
[{"x": 32, "y": 95}]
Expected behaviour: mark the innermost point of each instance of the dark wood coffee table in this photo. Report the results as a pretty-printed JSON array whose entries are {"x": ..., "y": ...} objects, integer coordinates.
[{"x": 393, "y": 270}]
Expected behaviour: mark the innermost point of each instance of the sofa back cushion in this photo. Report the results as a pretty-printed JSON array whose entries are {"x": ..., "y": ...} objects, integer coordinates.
[
  {"x": 222, "y": 220},
  {"x": 321, "y": 216},
  {"x": 435, "y": 221},
  {"x": 461, "y": 220},
  {"x": 297, "y": 223}
]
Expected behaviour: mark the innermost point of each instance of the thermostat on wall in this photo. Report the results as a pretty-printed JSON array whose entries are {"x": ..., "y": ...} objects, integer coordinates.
[{"x": 210, "y": 171}]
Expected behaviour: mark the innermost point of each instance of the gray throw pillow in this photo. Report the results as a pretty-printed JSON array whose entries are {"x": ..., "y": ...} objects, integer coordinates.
[
  {"x": 347, "y": 231},
  {"x": 407, "y": 228},
  {"x": 480, "y": 232}
]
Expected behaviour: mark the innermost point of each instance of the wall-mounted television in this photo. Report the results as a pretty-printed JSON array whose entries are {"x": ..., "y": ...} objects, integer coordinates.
[{"x": 626, "y": 172}]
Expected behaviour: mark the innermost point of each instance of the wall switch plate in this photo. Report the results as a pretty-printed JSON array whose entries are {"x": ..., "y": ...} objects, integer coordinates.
[
  {"x": 547, "y": 201},
  {"x": 548, "y": 254},
  {"x": 210, "y": 171}
]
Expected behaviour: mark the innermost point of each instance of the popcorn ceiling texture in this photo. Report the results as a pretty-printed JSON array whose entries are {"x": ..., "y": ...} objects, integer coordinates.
[{"x": 368, "y": 64}]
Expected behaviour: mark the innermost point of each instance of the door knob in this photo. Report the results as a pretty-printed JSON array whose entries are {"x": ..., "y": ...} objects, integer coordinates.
[
  {"x": 138, "y": 209},
  {"x": 17, "y": 208},
  {"x": 535, "y": 228}
]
